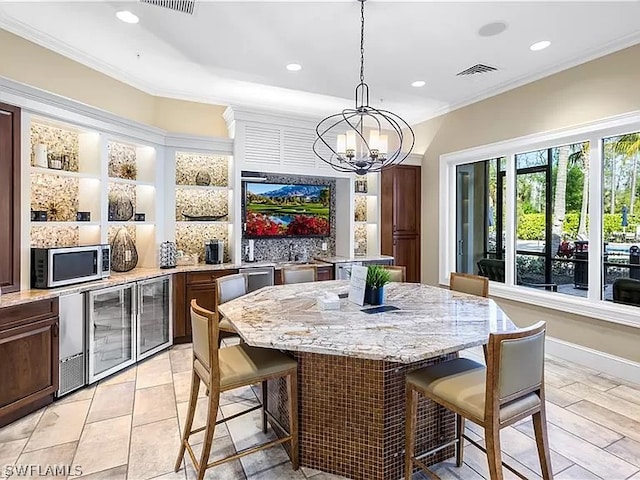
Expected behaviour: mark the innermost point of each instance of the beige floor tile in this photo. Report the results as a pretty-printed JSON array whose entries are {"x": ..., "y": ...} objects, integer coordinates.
[
  {"x": 635, "y": 477},
  {"x": 237, "y": 395},
  {"x": 154, "y": 448},
  {"x": 117, "y": 473},
  {"x": 112, "y": 401},
  {"x": 56, "y": 456},
  {"x": 104, "y": 445},
  {"x": 523, "y": 448},
  {"x": 128, "y": 375},
  {"x": 10, "y": 451},
  {"x": 22, "y": 428},
  {"x": 331, "y": 476},
  {"x": 181, "y": 360},
  {"x": 59, "y": 424},
  {"x": 627, "y": 393},
  {"x": 200, "y": 420},
  {"x": 153, "y": 404},
  {"x": 179, "y": 475},
  {"x": 227, "y": 471},
  {"x": 580, "y": 426},
  {"x": 310, "y": 472},
  {"x": 445, "y": 470},
  {"x": 626, "y": 449},
  {"x": 246, "y": 430},
  {"x": 610, "y": 419},
  {"x": 595, "y": 460},
  {"x": 576, "y": 472},
  {"x": 477, "y": 460},
  {"x": 182, "y": 386},
  {"x": 85, "y": 393},
  {"x": 606, "y": 400},
  {"x": 559, "y": 396},
  {"x": 154, "y": 371}
]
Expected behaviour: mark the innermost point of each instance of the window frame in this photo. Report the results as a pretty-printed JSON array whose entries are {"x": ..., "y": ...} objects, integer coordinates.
[{"x": 594, "y": 133}]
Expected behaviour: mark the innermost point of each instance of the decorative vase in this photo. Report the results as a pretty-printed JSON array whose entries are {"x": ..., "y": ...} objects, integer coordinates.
[
  {"x": 124, "y": 256},
  {"x": 120, "y": 207},
  {"x": 374, "y": 295},
  {"x": 203, "y": 178}
]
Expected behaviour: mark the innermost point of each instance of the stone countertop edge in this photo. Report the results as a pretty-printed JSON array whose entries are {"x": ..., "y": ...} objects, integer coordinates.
[{"x": 363, "y": 258}]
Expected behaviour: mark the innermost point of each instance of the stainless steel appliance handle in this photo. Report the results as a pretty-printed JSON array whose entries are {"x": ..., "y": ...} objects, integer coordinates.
[{"x": 253, "y": 274}]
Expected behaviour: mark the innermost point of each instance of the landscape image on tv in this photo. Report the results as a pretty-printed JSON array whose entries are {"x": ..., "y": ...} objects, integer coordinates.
[{"x": 284, "y": 210}]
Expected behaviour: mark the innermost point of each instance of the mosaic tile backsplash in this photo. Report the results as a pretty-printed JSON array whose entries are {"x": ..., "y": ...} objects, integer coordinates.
[
  {"x": 58, "y": 142},
  {"x": 204, "y": 202},
  {"x": 360, "y": 240},
  {"x": 274, "y": 249},
  {"x": 45, "y": 236},
  {"x": 55, "y": 194},
  {"x": 122, "y": 160},
  {"x": 360, "y": 212},
  {"x": 190, "y": 238},
  {"x": 198, "y": 169}
]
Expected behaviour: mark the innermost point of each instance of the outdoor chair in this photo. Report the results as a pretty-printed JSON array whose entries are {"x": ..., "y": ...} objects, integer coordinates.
[
  {"x": 493, "y": 269},
  {"x": 626, "y": 291}
]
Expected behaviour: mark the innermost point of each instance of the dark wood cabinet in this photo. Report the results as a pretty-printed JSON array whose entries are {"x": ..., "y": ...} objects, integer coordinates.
[
  {"x": 187, "y": 286},
  {"x": 9, "y": 198},
  {"x": 400, "y": 217},
  {"x": 29, "y": 353}
]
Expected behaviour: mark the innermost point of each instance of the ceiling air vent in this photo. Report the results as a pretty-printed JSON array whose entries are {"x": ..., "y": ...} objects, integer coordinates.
[
  {"x": 184, "y": 6},
  {"x": 479, "y": 68}
]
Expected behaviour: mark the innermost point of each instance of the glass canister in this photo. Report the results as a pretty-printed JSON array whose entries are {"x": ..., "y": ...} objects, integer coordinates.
[{"x": 168, "y": 255}]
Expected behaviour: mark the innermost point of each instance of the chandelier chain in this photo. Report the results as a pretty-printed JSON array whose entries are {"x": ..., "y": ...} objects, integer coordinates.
[{"x": 362, "y": 41}]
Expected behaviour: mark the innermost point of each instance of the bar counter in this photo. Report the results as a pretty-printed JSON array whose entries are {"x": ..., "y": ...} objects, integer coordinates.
[{"x": 352, "y": 366}]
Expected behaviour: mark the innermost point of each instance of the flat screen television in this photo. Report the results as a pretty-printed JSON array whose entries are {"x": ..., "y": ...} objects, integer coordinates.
[{"x": 276, "y": 210}]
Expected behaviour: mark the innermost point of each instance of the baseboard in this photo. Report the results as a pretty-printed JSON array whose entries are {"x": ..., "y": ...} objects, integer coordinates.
[{"x": 603, "y": 362}]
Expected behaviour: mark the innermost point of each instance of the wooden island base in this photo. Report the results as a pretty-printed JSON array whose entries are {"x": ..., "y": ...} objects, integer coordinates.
[{"x": 351, "y": 415}]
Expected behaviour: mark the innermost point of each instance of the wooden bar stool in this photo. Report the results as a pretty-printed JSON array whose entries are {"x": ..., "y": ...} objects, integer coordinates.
[
  {"x": 299, "y": 274},
  {"x": 509, "y": 389},
  {"x": 398, "y": 272},
  {"x": 467, "y": 283},
  {"x": 226, "y": 369}
]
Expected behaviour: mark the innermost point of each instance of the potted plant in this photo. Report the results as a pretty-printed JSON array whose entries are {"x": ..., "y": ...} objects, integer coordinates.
[{"x": 377, "y": 278}]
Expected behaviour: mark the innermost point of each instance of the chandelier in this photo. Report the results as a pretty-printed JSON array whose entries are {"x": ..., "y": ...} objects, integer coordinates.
[{"x": 368, "y": 139}]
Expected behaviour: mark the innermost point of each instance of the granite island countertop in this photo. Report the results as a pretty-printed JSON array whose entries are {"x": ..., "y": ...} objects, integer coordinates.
[{"x": 430, "y": 322}]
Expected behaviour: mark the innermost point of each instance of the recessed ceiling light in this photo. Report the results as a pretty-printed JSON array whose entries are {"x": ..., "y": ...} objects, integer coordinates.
[
  {"x": 540, "y": 45},
  {"x": 127, "y": 17},
  {"x": 294, "y": 67},
  {"x": 418, "y": 83}
]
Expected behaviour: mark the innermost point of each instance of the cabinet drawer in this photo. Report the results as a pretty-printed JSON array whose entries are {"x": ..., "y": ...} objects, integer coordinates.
[
  {"x": 207, "y": 277},
  {"x": 28, "y": 312},
  {"x": 325, "y": 273}
]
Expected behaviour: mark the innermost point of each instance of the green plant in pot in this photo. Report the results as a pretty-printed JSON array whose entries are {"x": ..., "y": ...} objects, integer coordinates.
[{"x": 377, "y": 278}]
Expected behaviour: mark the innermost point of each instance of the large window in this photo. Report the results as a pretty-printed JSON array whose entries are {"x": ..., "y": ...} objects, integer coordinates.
[{"x": 522, "y": 216}]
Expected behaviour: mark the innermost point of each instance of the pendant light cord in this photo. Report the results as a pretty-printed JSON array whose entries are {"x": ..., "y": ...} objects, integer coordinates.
[{"x": 362, "y": 41}]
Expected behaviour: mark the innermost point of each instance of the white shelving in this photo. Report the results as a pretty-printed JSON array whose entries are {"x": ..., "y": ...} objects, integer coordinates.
[{"x": 366, "y": 212}]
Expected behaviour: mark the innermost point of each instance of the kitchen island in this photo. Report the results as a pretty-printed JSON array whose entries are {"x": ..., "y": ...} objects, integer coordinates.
[{"x": 352, "y": 366}]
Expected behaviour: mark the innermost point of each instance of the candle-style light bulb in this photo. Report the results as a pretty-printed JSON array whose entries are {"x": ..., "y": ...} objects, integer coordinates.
[
  {"x": 351, "y": 140},
  {"x": 383, "y": 144},
  {"x": 342, "y": 144}
]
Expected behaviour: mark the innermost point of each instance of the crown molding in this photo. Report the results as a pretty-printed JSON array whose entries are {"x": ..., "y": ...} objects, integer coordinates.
[
  {"x": 235, "y": 113},
  {"x": 40, "y": 102},
  {"x": 593, "y": 54}
]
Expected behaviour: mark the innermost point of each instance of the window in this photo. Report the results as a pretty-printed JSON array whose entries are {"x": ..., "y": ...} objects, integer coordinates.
[{"x": 551, "y": 216}]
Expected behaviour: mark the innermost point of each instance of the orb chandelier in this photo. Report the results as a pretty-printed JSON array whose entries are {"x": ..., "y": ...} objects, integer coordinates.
[{"x": 368, "y": 139}]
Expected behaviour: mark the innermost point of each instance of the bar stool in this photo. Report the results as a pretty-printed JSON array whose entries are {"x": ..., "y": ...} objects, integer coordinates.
[
  {"x": 228, "y": 288},
  {"x": 398, "y": 272},
  {"x": 509, "y": 389},
  {"x": 467, "y": 283},
  {"x": 299, "y": 274},
  {"x": 226, "y": 369}
]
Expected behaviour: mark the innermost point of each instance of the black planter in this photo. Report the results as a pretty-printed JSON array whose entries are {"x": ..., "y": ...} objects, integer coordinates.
[{"x": 374, "y": 295}]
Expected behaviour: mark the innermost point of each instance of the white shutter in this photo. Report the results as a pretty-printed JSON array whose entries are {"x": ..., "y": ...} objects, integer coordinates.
[
  {"x": 298, "y": 148},
  {"x": 262, "y": 146}
]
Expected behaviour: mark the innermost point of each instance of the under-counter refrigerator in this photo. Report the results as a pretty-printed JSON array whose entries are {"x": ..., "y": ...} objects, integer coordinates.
[{"x": 127, "y": 323}]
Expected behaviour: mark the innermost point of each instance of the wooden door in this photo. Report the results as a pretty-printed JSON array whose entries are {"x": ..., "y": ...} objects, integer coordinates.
[
  {"x": 406, "y": 200},
  {"x": 29, "y": 369},
  {"x": 406, "y": 252},
  {"x": 9, "y": 198}
]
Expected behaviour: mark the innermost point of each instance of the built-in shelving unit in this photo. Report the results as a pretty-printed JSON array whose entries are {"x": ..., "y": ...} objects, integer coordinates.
[
  {"x": 203, "y": 201},
  {"x": 76, "y": 171},
  {"x": 366, "y": 215}
]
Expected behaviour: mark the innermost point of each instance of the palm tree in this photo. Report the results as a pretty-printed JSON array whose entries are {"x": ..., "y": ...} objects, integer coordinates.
[
  {"x": 629, "y": 146},
  {"x": 581, "y": 154},
  {"x": 559, "y": 204}
]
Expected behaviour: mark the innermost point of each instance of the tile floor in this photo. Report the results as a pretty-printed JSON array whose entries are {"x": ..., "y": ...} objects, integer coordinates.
[{"x": 127, "y": 426}]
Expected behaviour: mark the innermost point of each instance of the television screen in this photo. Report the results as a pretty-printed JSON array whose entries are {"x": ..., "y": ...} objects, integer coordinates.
[{"x": 286, "y": 210}]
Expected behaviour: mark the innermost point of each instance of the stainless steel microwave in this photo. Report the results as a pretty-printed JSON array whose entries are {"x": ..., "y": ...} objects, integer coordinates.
[{"x": 56, "y": 267}]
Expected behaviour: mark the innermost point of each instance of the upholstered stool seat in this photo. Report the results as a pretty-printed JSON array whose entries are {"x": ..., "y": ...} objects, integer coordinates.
[
  {"x": 508, "y": 389},
  {"x": 222, "y": 369}
]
